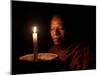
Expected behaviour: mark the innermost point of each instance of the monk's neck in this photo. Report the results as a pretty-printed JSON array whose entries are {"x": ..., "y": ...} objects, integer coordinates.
[{"x": 59, "y": 47}]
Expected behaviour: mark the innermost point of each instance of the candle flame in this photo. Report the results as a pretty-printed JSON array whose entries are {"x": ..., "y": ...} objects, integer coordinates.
[{"x": 35, "y": 29}]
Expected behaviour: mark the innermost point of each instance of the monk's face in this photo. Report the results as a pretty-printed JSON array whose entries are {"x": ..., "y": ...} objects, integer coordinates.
[{"x": 57, "y": 30}]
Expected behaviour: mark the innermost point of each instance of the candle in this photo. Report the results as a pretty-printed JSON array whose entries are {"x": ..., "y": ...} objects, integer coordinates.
[{"x": 35, "y": 43}]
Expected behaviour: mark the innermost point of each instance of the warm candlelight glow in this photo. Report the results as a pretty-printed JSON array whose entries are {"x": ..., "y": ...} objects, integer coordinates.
[
  {"x": 35, "y": 43},
  {"x": 35, "y": 29}
]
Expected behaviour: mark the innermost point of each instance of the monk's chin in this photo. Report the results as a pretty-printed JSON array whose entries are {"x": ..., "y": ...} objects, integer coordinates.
[{"x": 57, "y": 43}]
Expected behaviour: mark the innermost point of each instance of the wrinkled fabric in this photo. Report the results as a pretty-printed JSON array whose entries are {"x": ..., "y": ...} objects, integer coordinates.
[{"x": 76, "y": 56}]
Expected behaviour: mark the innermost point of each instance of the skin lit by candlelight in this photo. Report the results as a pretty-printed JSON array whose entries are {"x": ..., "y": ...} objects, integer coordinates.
[{"x": 35, "y": 29}]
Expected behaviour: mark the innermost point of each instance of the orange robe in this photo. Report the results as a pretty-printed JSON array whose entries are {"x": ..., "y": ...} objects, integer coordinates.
[{"x": 76, "y": 56}]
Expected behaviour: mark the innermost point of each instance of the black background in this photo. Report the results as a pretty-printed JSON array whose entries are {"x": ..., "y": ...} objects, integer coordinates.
[{"x": 80, "y": 24}]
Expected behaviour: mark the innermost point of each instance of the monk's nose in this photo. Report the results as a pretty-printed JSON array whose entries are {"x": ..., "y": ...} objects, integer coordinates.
[{"x": 57, "y": 32}]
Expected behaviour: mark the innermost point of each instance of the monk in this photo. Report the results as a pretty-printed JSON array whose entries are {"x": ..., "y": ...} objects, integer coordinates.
[{"x": 75, "y": 56}]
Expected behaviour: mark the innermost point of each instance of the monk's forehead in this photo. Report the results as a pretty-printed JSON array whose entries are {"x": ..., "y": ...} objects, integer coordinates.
[{"x": 56, "y": 20}]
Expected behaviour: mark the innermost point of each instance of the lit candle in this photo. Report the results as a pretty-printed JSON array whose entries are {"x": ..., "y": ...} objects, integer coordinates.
[{"x": 35, "y": 43}]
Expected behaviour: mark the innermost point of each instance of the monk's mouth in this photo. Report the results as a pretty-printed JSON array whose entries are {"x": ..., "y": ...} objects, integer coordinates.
[{"x": 57, "y": 39}]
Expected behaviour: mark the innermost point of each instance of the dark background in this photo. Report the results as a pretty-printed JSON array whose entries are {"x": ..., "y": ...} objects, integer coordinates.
[{"x": 80, "y": 24}]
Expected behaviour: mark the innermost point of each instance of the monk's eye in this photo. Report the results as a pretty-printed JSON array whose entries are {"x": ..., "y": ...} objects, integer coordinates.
[
  {"x": 60, "y": 27},
  {"x": 52, "y": 29}
]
